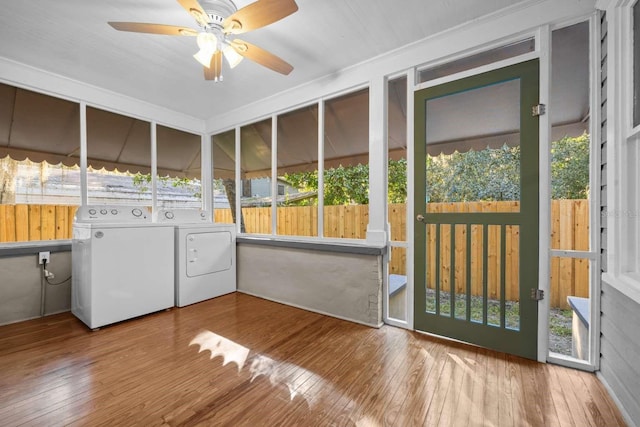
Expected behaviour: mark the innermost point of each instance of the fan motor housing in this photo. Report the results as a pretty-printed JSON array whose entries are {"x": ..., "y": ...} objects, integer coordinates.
[{"x": 218, "y": 10}]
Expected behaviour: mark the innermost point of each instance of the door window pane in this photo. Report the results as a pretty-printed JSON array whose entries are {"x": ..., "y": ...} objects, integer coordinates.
[{"x": 473, "y": 145}]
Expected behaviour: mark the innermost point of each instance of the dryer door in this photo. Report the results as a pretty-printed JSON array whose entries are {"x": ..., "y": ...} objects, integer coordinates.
[{"x": 208, "y": 252}]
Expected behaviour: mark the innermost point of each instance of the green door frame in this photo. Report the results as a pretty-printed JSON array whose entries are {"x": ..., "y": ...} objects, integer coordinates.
[{"x": 522, "y": 342}]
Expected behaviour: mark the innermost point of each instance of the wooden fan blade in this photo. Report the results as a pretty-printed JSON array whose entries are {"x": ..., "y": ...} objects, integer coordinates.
[
  {"x": 261, "y": 56},
  {"x": 214, "y": 72},
  {"x": 194, "y": 9},
  {"x": 138, "y": 27},
  {"x": 258, "y": 14}
]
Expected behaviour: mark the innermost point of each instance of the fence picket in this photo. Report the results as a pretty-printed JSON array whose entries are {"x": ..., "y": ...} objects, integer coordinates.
[{"x": 34, "y": 221}]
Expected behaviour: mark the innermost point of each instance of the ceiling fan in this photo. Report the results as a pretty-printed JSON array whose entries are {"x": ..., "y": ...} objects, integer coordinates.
[{"x": 218, "y": 21}]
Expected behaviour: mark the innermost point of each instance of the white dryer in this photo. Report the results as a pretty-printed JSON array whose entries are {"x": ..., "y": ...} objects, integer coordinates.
[
  {"x": 205, "y": 255},
  {"x": 122, "y": 264}
]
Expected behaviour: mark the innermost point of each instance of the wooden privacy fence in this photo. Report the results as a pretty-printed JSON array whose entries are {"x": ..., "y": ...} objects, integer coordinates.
[
  {"x": 569, "y": 230},
  {"x": 21, "y": 223}
]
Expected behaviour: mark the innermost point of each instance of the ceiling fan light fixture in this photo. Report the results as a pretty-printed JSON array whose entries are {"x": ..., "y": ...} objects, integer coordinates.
[
  {"x": 208, "y": 44},
  {"x": 233, "y": 57},
  {"x": 204, "y": 57},
  {"x": 207, "y": 41}
]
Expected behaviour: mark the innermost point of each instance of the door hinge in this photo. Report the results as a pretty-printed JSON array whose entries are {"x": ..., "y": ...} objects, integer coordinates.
[
  {"x": 537, "y": 294},
  {"x": 538, "y": 110}
]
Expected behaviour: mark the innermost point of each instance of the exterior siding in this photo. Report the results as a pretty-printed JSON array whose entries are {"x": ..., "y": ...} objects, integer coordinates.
[
  {"x": 619, "y": 348},
  {"x": 603, "y": 145},
  {"x": 620, "y": 338}
]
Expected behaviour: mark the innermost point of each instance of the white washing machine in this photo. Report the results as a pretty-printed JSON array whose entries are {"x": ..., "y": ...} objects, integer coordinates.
[
  {"x": 205, "y": 263},
  {"x": 122, "y": 264}
]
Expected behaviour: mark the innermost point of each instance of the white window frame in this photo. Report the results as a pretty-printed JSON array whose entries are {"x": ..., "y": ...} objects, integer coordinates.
[
  {"x": 623, "y": 155},
  {"x": 374, "y": 237}
]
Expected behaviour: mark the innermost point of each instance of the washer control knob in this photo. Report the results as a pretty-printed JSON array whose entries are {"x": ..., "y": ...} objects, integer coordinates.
[
  {"x": 103, "y": 211},
  {"x": 202, "y": 215},
  {"x": 114, "y": 211},
  {"x": 136, "y": 212},
  {"x": 92, "y": 211},
  {"x": 168, "y": 215}
]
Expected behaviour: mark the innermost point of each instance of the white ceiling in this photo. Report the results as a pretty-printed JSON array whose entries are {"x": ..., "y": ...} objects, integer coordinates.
[{"x": 71, "y": 38}]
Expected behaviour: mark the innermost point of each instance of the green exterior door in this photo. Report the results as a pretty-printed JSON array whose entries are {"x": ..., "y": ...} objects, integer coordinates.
[{"x": 476, "y": 235}]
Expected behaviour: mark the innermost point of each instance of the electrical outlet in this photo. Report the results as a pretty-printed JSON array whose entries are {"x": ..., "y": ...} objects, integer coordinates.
[{"x": 44, "y": 256}]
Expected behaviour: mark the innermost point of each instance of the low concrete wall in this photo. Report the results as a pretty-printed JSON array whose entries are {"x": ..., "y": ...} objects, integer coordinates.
[
  {"x": 339, "y": 281},
  {"x": 22, "y": 283}
]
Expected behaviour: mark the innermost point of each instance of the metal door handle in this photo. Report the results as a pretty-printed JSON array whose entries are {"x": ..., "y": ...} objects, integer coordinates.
[{"x": 420, "y": 217}]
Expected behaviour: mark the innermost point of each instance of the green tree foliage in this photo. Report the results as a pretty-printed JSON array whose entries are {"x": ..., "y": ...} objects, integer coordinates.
[
  {"x": 304, "y": 182},
  {"x": 397, "y": 189},
  {"x": 494, "y": 174},
  {"x": 485, "y": 175},
  {"x": 143, "y": 183},
  {"x": 342, "y": 185},
  {"x": 346, "y": 185},
  {"x": 570, "y": 168}
]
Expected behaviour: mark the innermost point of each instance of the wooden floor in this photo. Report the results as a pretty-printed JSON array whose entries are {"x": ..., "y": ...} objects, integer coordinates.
[{"x": 241, "y": 361}]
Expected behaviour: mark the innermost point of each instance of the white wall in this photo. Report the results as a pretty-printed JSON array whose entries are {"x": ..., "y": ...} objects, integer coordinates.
[{"x": 340, "y": 284}]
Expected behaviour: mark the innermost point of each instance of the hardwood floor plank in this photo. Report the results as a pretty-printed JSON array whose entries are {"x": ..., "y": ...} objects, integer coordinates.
[
  {"x": 459, "y": 409},
  {"x": 377, "y": 362},
  {"x": 598, "y": 415},
  {"x": 505, "y": 398},
  {"x": 611, "y": 414},
  {"x": 395, "y": 388},
  {"x": 263, "y": 363},
  {"x": 574, "y": 403},
  {"x": 414, "y": 411},
  {"x": 539, "y": 408},
  {"x": 518, "y": 397}
]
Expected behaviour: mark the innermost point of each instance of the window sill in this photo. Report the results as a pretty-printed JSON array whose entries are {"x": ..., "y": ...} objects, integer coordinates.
[
  {"x": 33, "y": 247},
  {"x": 333, "y": 245},
  {"x": 628, "y": 284}
]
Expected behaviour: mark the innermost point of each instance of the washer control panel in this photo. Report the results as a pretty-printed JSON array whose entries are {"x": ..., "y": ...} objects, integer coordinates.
[
  {"x": 110, "y": 214},
  {"x": 182, "y": 216}
]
